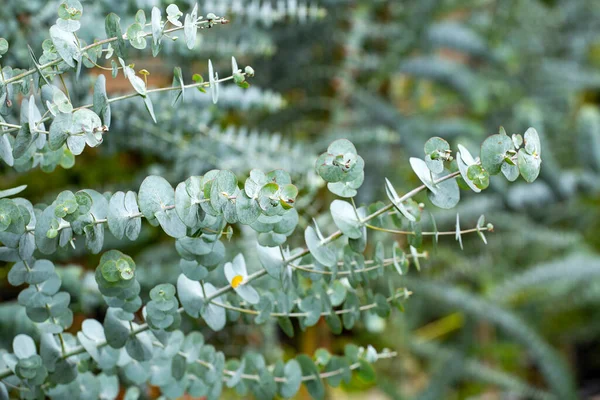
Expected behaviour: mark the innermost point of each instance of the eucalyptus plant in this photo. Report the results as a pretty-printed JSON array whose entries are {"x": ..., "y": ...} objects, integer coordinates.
[{"x": 137, "y": 344}]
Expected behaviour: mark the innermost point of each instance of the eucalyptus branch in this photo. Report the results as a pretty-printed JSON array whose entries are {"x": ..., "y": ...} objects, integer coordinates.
[
  {"x": 15, "y": 127},
  {"x": 376, "y": 265},
  {"x": 101, "y": 43},
  {"x": 364, "y": 307},
  {"x": 253, "y": 377},
  {"x": 225, "y": 289},
  {"x": 446, "y": 233}
]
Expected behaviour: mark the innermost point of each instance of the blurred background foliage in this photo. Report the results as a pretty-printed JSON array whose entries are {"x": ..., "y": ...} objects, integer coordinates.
[{"x": 517, "y": 318}]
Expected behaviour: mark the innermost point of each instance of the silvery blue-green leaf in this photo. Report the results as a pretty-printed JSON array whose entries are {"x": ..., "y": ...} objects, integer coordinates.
[
  {"x": 173, "y": 14},
  {"x": 224, "y": 186},
  {"x": 101, "y": 105},
  {"x": 236, "y": 275},
  {"x": 44, "y": 243},
  {"x": 213, "y": 315},
  {"x": 347, "y": 188},
  {"x": 39, "y": 272},
  {"x": 531, "y": 140},
  {"x": 177, "y": 83},
  {"x": 3, "y": 46},
  {"x": 59, "y": 303},
  {"x": 190, "y": 28},
  {"x": 116, "y": 330},
  {"x": 156, "y": 200},
  {"x": 529, "y": 166},
  {"x": 156, "y": 26},
  {"x": 12, "y": 191},
  {"x": 315, "y": 386},
  {"x": 149, "y": 107},
  {"x": 93, "y": 330},
  {"x": 10, "y": 360},
  {"x": 193, "y": 270},
  {"x": 34, "y": 118},
  {"x": 18, "y": 274},
  {"x": 264, "y": 308},
  {"x": 188, "y": 196},
  {"x": 293, "y": 379},
  {"x": 95, "y": 233},
  {"x": 171, "y": 223},
  {"x": 88, "y": 122},
  {"x": 51, "y": 285},
  {"x": 341, "y": 146},
  {"x": 415, "y": 257},
  {"x": 529, "y": 157},
  {"x": 338, "y": 363},
  {"x": 466, "y": 155},
  {"x": 3, "y": 392},
  {"x": 271, "y": 259},
  {"x": 400, "y": 261},
  {"x": 510, "y": 172},
  {"x": 192, "y": 345},
  {"x": 254, "y": 183},
  {"x": 132, "y": 393},
  {"x": 122, "y": 208},
  {"x": 480, "y": 224},
  {"x": 247, "y": 209},
  {"x": 346, "y": 218},
  {"x": 6, "y": 151},
  {"x": 458, "y": 235},
  {"x": 319, "y": 251},
  {"x": 137, "y": 372},
  {"x": 189, "y": 247},
  {"x": 425, "y": 175},
  {"x": 214, "y": 85},
  {"x": 137, "y": 36},
  {"x": 138, "y": 83},
  {"x": 214, "y": 257},
  {"x": 446, "y": 195},
  {"x": 24, "y": 140},
  {"x": 343, "y": 167},
  {"x": 60, "y": 130},
  {"x": 311, "y": 305},
  {"x": 50, "y": 351},
  {"x": 133, "y": 227},
  {"x": 109, "y": 386},
  {"x": 23, "y": 346},
  {"x": 351, "y": 303},
  {"x": 112, "y": 28},
  {"x": 154, "y": 195},
  {"x": 8, "y": 254},
  {"x": 237, "y": 377},
  {"x": 463, "y": 167},
  {"x": 288, "y": 222},
  {"x": 271, "y": 239},
  {"x": 65, "y": 44},
  {"x": 395, "y": 199},
  {"x": 190, "y": 296},
  {"x": 338, "y": 293},
  {"x": 139, "y": 346},
  {"x": 435, "y": 149},
  {"x": 493, "y": 151},
  {"x": 234, "y": 65}
]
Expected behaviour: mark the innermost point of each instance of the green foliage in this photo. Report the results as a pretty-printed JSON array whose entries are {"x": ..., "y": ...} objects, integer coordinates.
[{"x": 230, "y": 233}]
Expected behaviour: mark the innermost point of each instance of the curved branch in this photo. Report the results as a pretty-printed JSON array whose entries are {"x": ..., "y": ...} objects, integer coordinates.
[
  {"x": 365, "y": 307},
  {"x": 225, "y": 289},
  {"x": 103, "y": 42},
  {"x": 447, "y": 233},
  {"x": 15, "y": 127}
]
